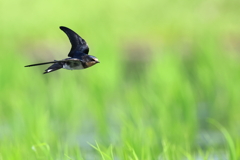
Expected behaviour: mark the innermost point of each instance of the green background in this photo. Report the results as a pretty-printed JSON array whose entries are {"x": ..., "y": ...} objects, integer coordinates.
[{"x": 167, "y": 86}]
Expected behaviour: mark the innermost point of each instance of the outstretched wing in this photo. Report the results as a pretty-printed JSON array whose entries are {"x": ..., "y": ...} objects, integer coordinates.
[{"x": 79, "y": 45}]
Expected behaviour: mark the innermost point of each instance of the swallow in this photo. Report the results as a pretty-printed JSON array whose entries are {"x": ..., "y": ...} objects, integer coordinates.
[{"x": 79, "y": 58}]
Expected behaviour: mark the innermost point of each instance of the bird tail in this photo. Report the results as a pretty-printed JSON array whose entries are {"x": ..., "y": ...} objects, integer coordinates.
[
  {"x": 54, "y": 67},
  {"x": 37, "y": 64}
]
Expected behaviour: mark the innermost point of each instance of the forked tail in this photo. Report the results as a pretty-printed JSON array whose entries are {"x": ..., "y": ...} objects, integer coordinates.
[{"x": 54, "y": 67}]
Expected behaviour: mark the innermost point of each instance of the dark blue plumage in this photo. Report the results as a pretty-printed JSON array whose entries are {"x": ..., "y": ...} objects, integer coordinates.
[{"x": 79, "y": 58}]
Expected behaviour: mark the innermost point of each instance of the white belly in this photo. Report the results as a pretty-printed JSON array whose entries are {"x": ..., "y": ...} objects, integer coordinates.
[{"x": 73, "y": 68}]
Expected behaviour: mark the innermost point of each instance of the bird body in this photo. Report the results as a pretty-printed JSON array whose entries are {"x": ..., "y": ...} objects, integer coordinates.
[
  {"x": 76, "y": 66},
  {"x": 79, "y": 58}
]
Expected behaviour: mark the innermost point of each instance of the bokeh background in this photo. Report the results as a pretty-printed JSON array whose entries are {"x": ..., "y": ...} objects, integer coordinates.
[{"x": 167, "y": 87}]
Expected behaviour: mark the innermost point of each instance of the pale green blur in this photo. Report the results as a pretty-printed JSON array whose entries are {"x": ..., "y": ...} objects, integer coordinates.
[{"x": 167, "y": 67}]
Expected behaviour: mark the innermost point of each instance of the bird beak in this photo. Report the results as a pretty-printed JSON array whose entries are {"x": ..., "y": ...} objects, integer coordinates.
[{"x": 97, "y": 61}]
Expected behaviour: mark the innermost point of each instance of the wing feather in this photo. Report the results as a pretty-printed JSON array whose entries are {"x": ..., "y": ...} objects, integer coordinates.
[{"x": 79, "y": 45}]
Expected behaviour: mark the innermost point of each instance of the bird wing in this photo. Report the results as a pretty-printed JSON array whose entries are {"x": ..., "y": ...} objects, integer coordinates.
[{"x": 79, "y": 45}]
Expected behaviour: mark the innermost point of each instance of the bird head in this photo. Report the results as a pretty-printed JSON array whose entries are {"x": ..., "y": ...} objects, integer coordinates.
[{"x": 91, "y": 60}]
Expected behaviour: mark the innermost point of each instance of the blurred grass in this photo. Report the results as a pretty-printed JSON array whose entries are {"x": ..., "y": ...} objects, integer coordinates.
[{"x": 166, "y": 68}]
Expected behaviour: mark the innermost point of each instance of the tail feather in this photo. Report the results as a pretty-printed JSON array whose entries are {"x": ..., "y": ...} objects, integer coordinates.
[
  {"x": 54, "y": 67},
  {"x": 37, "y": 64}
]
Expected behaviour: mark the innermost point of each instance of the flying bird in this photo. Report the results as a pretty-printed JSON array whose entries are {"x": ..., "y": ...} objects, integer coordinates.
[{"x": 79, "y": 58}]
